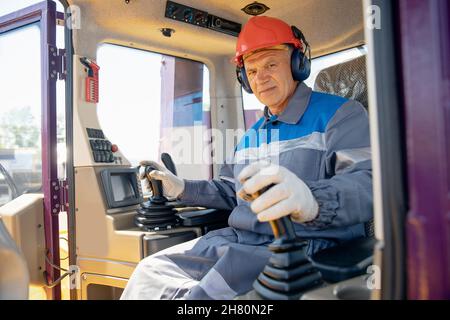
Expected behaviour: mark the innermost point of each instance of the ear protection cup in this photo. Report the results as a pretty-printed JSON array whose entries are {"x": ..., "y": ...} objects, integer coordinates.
[
  {"x": 243, "y": 80},
  {"x": 300, "y": 63},
  {"x": 300, "y": 66}
]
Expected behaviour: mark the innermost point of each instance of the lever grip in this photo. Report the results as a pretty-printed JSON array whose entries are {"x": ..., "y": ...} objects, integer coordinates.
[
  {"x": 168, "y": 162},
  {"x": 156, "y": 186},
  {"x": 282, "y": 228}
]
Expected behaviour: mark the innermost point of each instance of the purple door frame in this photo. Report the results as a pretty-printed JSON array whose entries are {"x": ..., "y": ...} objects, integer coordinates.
[
  {"x": 44, "y": 14},
  {"x": 425, "y": 50}
]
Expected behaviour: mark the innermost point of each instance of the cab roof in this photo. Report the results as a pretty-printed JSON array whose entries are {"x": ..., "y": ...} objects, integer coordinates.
[{"x": 329, "y": 25}]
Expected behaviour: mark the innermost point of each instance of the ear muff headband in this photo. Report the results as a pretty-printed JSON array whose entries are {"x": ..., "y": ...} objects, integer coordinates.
[{"x": 300, "y": 63}]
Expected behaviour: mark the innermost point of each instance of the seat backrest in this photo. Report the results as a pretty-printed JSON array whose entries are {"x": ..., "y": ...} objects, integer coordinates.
[{"x": 347, "y": 79}]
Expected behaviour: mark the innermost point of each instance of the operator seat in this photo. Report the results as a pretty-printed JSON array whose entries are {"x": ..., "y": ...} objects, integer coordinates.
[
  {"x": 350, "y": 259},
  {"x": 347, "y": 80}
]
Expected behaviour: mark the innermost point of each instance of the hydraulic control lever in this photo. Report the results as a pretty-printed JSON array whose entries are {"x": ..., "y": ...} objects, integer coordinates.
[
  {"x": 157, "y": 213},
  {"x": 284, "y": 233},
  {"x": 283, "y": 229},
  {"x": 289, "y": 272},
  {"x": 156, "y": 186}
]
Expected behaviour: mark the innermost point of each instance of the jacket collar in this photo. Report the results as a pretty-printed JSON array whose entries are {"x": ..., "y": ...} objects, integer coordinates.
[{"x": 295, "y": 108}]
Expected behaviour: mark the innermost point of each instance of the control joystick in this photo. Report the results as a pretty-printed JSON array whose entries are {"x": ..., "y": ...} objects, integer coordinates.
[
  {"x": 156, "y": 213},
  {"x": 289, "y": 272}
]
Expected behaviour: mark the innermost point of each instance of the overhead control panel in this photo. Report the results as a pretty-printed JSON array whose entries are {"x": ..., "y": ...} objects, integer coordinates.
[{"x": 201, "y": 18}]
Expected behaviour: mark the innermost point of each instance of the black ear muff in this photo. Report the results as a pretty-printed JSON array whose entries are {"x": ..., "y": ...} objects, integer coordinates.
[
  {"x": 300, "y": 65},
  {"x": 300, "y": 60},
  {"x": 243, "y": 80}
]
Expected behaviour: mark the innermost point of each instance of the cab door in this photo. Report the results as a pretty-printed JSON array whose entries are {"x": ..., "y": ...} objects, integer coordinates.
[{"x": 31, "y": 65}]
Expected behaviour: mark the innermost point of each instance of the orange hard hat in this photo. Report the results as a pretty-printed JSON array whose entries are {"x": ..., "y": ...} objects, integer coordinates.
[{"x": 261, "y": 32}]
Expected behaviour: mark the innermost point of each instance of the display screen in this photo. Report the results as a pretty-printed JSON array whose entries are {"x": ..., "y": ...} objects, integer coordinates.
[{"x": 122, "y": 187}]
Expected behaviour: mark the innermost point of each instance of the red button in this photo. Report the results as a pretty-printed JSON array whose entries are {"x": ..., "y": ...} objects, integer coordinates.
[{"x": 114, "y": 148}]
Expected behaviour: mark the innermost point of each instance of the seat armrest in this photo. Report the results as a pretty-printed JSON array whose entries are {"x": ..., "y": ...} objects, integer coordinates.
[
  {"x": 203, "y": 217},
  {"x": 345, "y": 261}
]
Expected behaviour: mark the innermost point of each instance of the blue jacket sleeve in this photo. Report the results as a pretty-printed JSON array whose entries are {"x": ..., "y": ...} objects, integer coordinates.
[
  {"x": 216, "y": 194},
  {"x": 345, "y": 196}
]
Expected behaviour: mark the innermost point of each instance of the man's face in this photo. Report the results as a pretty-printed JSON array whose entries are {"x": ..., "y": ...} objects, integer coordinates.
[{"x": 270, "y": 77}]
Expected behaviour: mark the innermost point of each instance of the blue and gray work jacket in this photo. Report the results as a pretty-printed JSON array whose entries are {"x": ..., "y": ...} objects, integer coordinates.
[{"x": 322, "y": 138}]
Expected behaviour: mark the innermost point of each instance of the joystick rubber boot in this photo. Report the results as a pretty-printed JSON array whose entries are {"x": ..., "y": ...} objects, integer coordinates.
[{"x": 289, "y": 272}]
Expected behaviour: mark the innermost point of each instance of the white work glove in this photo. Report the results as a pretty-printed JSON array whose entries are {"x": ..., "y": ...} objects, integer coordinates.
[
  {"x": 289, "y": 195},
  {"x": 173, "y": 186}
]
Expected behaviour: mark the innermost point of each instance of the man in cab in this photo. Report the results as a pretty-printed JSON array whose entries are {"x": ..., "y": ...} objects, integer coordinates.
[{"x": 313, "y": 151}]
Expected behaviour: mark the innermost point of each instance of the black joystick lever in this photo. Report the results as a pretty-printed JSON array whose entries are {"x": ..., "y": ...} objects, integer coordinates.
[
  {"x": 156, "y": 213},
  {"x": 289, "y": 272},
  {"x": 156, "y": 186}
]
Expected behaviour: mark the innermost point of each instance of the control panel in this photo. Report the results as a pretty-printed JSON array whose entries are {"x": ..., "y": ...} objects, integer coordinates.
[
  {"x": 102, "y": 149},
  {"x": 186, "y": 14},
  {"x": 201, "y": 18}
]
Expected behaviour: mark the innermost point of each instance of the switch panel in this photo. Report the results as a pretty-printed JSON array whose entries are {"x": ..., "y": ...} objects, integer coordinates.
[
  {"x": 201, "y": 18},
  {"x": 100, "y": 147},
  {"x": 186, "y": 14},
  {"x": 95, "y": 133}
]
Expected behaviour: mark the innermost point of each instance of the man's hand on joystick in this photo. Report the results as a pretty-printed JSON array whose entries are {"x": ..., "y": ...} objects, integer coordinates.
[
  {"x": 173, "y": 186},
  {"x": 276, "y": 192}
]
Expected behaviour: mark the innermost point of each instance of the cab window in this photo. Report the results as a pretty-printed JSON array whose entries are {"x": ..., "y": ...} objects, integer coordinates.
[
  {"x": 161, "y": 104},
  {"x": 20, "y": 118}
]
